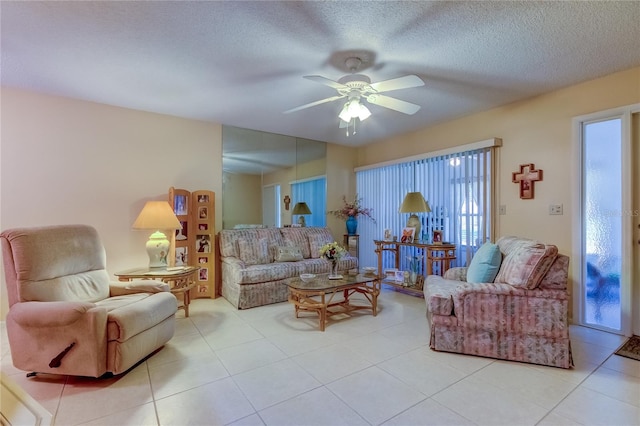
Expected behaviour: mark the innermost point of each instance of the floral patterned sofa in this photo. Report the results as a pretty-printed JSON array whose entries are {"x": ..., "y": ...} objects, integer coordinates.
[
  {"x": 521, "y": 316},
  {"x": 256, "y": 264}
]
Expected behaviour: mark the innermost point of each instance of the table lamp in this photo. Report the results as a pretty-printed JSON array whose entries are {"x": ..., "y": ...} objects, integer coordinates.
[
  {"x": 157, "y": 215},
  {"x": 301, "y": 209},
  {"x": 413, "y": 203}
]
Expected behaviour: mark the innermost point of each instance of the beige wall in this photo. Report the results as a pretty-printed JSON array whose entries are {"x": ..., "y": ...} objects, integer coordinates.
[
  {"x": 341, "y": 181},
  {"x": 242, "y": 202},
  {"x": 539, "y": 131},
  {"x": 66, "y": 161}
]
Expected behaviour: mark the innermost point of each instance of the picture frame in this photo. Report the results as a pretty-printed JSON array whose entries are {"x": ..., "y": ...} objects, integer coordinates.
[
  {"x": 203, "y": 213},
  {"x": 180, "y": 202},
  {"x": 203, "y": 243},
  {"x": 408, "y": 234},
  {"x": 437, "y": 237},
  {"x": 182, "y": 234},
  {"x": 203, "y": 227},
  {"x": 203, "y": 259},
  {"x": 399, "y": 277},
  {"x": 203, "y": 198},
  {"x": 203, "y": 274},
  {"x": 181, "y": 256},
  {"x": 388, "y": 235}
]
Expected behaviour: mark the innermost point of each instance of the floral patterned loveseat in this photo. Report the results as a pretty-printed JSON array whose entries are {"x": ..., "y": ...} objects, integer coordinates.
[
  {"x": 521, "y": 316},
  {"x": 255, "y": 271}
]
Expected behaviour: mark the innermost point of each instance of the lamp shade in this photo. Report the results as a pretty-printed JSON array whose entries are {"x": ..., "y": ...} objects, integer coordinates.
[
  {"x": 157, "y": 215},
  {"x": 414, "y": 202},
  {"x": 301, "y": 208}
]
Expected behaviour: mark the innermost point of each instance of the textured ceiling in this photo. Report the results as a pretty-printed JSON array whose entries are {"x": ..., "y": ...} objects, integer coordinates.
[{"x": 241, "y": 63}]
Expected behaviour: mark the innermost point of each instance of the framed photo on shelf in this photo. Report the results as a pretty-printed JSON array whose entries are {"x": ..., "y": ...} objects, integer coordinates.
[
  {"x": 181, "y": 256},
  {"x": 203, "y": 274},
  {"x": 387, "y": 235},
  {"x": 203, "y": 213},
  {"x": 407, "y": 235},
  {"x": 180, "y": 202},
  {"x": 437, "y": 236},
  {"x": 204, "y": 244}
]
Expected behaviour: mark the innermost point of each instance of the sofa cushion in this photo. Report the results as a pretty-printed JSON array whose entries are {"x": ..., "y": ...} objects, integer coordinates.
[
  {"x": 525, "y": 261},
  {"x": 288, "y": 254},
  {"x": 254, "y": 252},
  {"x": 485, "y": 264},
  {"x": 316, "y": 241}
]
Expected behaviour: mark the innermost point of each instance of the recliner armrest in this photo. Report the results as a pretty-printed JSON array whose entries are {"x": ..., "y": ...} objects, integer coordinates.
[
  {"x": 49, "y": 314},
  {"x": 117, "y": 288}
]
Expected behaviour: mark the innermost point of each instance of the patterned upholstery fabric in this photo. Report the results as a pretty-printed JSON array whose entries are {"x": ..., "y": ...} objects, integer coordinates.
[
  {"x": 501, "y": 320},
  {"x": 525, "y": 262},
  {"x": 254, "y": 252},
  {"x": 246, "y": 284}
]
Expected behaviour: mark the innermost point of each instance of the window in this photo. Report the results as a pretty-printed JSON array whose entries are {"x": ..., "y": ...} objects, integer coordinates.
[
  {"x": 457, "y": 187},
  {"x": 313, "y": 192}
]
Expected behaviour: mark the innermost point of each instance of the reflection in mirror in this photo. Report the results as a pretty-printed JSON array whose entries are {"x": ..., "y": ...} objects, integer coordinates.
[{"x": 259, "y": 169}]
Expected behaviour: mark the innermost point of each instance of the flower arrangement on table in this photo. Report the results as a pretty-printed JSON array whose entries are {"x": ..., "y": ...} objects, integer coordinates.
[
  {"x": 352, "y": 209},
  {"x": 332, "y": 252}
]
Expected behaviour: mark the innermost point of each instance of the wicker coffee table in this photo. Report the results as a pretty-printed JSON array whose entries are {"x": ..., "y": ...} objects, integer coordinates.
[{"x": 320, "y": 295}]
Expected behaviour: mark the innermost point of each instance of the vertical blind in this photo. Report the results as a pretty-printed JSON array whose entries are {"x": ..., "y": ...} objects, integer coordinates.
[
  {"x": 456, "y": 186},
  {"x": 313, "y": 192}
]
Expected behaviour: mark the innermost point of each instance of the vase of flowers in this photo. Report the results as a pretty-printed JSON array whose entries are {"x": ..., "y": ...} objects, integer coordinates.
[
  {"x": 414, "y": 267},
  {"x": 350, "y": 212},
  {"x": 332, "y": 252}
]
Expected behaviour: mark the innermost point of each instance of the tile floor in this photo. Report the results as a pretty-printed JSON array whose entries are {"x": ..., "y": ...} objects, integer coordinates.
[{"x": 262, "y": 366}]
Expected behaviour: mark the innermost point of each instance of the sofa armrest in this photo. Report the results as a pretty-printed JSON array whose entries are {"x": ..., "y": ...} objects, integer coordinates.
[
  {"x": 502, "y": 307},
  {"x": 458, "y": 273},
  {"x": 117, "y": 288},
  {"x": 234, "y": 262}
]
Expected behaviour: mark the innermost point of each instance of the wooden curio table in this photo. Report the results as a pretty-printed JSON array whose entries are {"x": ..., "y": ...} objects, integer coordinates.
[
  {"x": 318, "y": 295},
  {"x": 438, "y": 255},
  {"x": 181, "y": 280}
]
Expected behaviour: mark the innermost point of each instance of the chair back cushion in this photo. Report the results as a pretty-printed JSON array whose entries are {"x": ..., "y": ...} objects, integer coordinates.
[
  {"x": 525, "y": 262},
  {"x": 54, "y": 263},
  {"x": 485, "y": 263}
]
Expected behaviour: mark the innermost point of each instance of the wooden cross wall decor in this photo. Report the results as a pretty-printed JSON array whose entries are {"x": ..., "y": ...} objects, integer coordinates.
[{"x": 526, "y": 177}]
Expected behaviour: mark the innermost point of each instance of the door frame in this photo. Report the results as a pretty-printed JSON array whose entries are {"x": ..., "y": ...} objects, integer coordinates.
[{"x": 629, "y": 295}]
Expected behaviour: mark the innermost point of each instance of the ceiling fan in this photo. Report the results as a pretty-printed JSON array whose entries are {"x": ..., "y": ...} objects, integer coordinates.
[{"x": 357, "y": 88}]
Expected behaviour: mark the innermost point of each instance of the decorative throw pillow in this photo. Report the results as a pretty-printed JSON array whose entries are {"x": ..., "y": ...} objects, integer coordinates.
[
  {"x": 288, "y": 254},
  {"x": 525, "y": 262},
  {"x": 485, "y": 264},
  {"x": 316, "y": 241},
  {"x": 253, "y": 252}
]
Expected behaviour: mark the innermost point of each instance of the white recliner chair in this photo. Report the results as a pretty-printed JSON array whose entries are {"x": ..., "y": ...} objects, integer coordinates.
[{"x": 66, "y": 316}]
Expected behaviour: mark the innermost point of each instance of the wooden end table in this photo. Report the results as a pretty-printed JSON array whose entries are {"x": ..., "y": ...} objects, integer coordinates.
[{"x": 180, "y": 279}]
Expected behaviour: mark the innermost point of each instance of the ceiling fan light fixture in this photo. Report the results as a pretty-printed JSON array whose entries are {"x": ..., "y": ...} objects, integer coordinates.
[
  {"x": 364, "y": 113},
  {"x": 353, "y": 109},
  {"x": 344, "y": 114}
]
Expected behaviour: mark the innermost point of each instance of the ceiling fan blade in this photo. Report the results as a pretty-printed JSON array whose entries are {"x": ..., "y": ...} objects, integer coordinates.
[
  {"x": 393, "y": 103},
  {"x": 323, "y": 80},
  {"x": 397, "y": 83},
  {"x": 309, "y": 105}
]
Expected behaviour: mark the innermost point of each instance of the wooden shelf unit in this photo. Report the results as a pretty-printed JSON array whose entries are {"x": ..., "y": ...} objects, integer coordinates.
[
  {"x": 194, "y": 244},
  {"x": 438, "y": 255}
]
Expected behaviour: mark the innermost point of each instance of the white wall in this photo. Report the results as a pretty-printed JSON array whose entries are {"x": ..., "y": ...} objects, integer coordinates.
[{"x": 66, "y": 161}]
